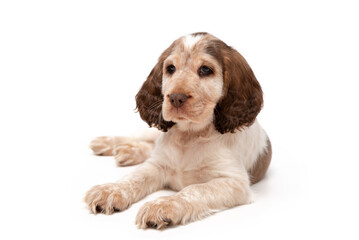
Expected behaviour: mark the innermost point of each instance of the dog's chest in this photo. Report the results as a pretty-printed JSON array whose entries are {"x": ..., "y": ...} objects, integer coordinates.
[{"x": 188, "y": 164}]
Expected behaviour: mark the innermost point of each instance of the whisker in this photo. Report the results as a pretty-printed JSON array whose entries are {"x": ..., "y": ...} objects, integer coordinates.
[{"x": 154, "y": 105}]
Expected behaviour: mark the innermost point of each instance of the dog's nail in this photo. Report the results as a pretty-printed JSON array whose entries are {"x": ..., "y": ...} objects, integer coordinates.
[
  {"x": 98, "y": 209},
  {"x": 151, "y": 224},
  {"x": 116, "y": 209},
  {"x": 167, "y": 220}
]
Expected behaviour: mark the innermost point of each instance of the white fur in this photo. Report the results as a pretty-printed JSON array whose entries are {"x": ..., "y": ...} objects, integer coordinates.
[
  {"x": 228, "y": 154},
  {"x": 190, "y": 40}
]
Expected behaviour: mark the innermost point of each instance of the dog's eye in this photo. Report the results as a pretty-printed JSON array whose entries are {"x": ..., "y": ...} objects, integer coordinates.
[
  {"x": 204, "y": 71},
  {"x": 171, "y": 69}
]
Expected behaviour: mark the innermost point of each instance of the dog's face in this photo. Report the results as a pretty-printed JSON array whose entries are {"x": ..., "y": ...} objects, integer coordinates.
[
  {"x": 192, "y": 83},
  {"x": 199, "y": 80}
]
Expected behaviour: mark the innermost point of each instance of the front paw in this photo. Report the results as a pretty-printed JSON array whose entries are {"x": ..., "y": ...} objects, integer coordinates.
[
  {"x": 162, "y": 212},
  {"x": 106, "y": 198},
  {"x": 132, "y": 153},
  {"x": 103, "y": 146}
]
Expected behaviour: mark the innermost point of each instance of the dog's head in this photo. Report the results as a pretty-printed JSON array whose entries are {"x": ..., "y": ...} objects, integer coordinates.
[{"x": 197, "y": 81}]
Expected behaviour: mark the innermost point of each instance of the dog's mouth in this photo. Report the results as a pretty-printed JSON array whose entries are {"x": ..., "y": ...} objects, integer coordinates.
[
  {"x": 183, "y": 114},
  {"x": 178, "y": 115},
  {"x": 181, "y": 118}
]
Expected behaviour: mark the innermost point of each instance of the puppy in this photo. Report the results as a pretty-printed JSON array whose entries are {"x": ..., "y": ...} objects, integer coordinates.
[{"x": 204, "y": 97}]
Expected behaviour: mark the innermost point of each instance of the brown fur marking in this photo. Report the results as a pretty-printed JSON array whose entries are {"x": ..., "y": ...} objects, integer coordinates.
[{"x": 260, "y": 168}]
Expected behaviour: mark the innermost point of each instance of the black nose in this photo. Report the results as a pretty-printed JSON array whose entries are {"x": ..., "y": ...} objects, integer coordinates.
[{"x": 178, "y": 99}]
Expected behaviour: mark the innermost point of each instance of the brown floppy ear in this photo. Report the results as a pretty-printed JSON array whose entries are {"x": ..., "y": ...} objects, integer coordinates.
[
  {"x": 243, "y": 97},
  {"x": 149, "y": 99}
]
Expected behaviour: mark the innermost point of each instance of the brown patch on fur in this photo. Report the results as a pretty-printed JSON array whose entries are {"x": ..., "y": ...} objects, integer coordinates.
[
  {"x": 199, "y": 33},
  {"x": 260, "y": 168},
  {"x": 243, "y": 97},
  {"x": 149, "y": 99}
]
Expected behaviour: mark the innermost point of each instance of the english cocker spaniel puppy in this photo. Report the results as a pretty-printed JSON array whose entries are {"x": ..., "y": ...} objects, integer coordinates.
[{"x": 204, "y": 97}]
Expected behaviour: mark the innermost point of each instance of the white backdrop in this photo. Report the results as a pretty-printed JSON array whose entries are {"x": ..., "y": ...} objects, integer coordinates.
[{"x": 69, "y": 71}]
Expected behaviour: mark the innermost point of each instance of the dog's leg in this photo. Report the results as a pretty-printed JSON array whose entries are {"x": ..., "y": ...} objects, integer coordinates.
[
  {"x": 195, "y": 201},
  {"x": 127, "y": 150},
  {"x": 114, "y": 197}
]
